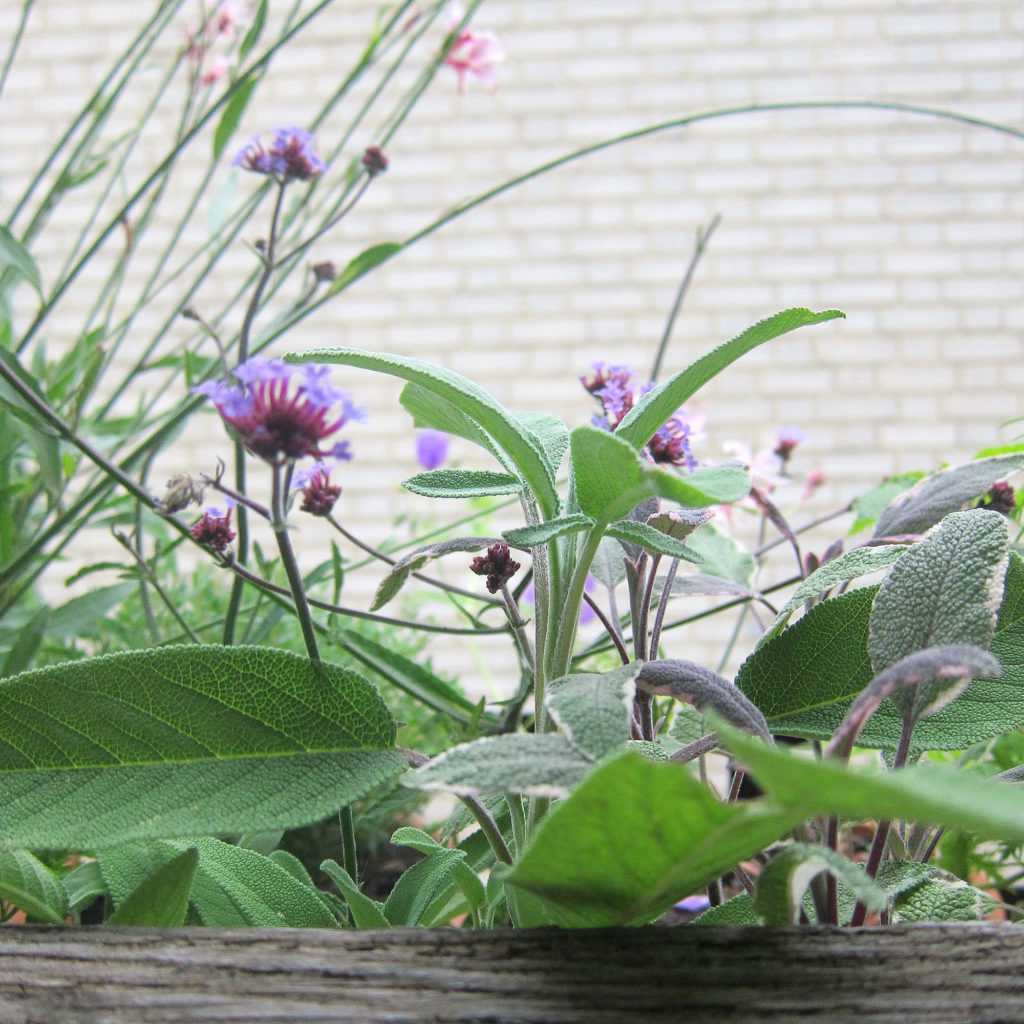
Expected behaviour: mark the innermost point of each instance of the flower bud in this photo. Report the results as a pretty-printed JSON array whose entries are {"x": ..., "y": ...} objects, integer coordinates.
[{"x": 375, "y": 161}]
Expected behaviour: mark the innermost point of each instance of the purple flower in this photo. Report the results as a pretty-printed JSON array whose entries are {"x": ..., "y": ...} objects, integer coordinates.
[
  {"x": 317, "y": 387},
  {"x": 213, "y": 528},
  {"x": 602, "y": 374},
  {"x": 319, "y": 495},
  {"x": 290, "y": 157},
  {"x": 671, "y": 444},
  {"x": 276, "y": 423},
  {"x": 497, "y": 565},
  {"x": 786, "y": 440},
  {"x": 431, "y": 448}
]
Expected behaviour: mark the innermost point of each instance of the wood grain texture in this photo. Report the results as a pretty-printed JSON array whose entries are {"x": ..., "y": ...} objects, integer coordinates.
[{"x": 933, "y": 973}]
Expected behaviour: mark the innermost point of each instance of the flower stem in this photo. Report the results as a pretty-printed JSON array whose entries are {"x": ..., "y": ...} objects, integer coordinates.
[
  {"x": 349, "y": 856},
  {"x": 284, "y": 546}
]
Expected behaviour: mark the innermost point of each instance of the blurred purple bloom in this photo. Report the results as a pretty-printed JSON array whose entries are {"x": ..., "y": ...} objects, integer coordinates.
[
  {"x": 786, "y": 440},
  {"x": 694, "y": 904},
  {"x": 290, "y": 157},
  {"x": 432, "y": 448},
  {"x": 587, "y": 614}
]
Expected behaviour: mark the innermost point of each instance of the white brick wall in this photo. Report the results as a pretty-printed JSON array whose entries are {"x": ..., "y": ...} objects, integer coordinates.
[{"x": 914, "y": 226}]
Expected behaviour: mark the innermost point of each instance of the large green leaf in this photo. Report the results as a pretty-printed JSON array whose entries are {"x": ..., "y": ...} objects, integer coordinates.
[
  {"x": 420, "y": 885},
  {"x": 941, "y": 897},
  {"x": 805, "y": 679},
  {"x": 929, "y": 794},
  {"x": 717, "y": 554},
  {"x": 650, "y": 539},
  {"x": 644, "y": 419},
  {"x": 435, "y": 413},
  {"x": 526, "y": 537},
  {"x": 182, "y": 741},
  {"x": 520, "y": 444},
  {"x": 867, "y": 507},
  {"x": 634, "y": 838},
  {"x": 461, "y": 483},
  {"x": 942, "y": 493},
  {"x": 31, "y": 886},
  {"x": 161, "y": 901},
  {"x": 464, "y": 876}
]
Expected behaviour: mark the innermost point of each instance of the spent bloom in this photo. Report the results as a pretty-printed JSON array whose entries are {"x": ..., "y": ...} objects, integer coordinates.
[
  {"x": 786, "y": 441},
  {"x": 497, "y": 565},
  {"x": 431, "y": 448},
  {"x": 1000, "y": 497},
  {"x": 291, "y": 156},
  {"x": 319, "y": 495},
  {"x": 213, "y": 528},
  {"x": 473, "y": 53},
  {"x": 277, "y": 421}
]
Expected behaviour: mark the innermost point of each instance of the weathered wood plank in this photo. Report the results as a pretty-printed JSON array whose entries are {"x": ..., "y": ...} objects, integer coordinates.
[{"x": 933, "y": 973}]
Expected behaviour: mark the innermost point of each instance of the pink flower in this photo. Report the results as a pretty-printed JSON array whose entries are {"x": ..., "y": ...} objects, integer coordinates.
[
  {"x": 228, "y": 17},
  {"x": 473, "y": 53},
  {"x": 815, "y": 479},
  {"x": 765, "y": 466},
  {"x": 216, "y": 70}
]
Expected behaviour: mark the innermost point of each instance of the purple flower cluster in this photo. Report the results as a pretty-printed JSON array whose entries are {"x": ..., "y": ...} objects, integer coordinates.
[
  {"x": 289, "y": 157},
  {"x": 319, "y": 495},
  {"x": 497, "y": 565},
  {"x": 213, "y": 528},
  {"x": 278, "y": 422},
  {"x": 615, "y": 387}
]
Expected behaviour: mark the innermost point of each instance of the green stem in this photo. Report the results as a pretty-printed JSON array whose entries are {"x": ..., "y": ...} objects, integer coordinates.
[
  {"x": 26, "y": 9},
  {"x": 349, "y": 854},
  {"x": 562, "y": 654}
]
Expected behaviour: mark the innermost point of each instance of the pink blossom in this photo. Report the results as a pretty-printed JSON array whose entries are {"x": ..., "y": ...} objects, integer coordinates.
[
  {"x": 815, "y": 479},
  {"x": 216, "y": 70},
  {"x": 765, "y": 466},
  {"x": 228, "y": 17},
  {"x": 473, "y": 53}
]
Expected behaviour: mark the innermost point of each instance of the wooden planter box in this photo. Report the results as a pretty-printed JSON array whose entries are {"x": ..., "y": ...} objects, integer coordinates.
[{"x": 932, "y": 973}]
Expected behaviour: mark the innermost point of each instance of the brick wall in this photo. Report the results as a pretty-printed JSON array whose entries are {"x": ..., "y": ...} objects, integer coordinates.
[{"x": 913, "y": 226}]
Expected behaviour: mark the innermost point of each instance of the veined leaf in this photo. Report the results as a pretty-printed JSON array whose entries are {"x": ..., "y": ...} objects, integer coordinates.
[
  {"x": 645, "y": 418},
  {"x": 461, "y": 483},
  {"x": 849, "y": 566},
  {"x": 532, "y": 764},
  {"x": 420, "y": 885},
  {"x": 552, "y": 433},
  {"x": 936, "y": 496},
  {"x": 671, "y": 837},
  {"x": 521, "y": 446},
  {"x": 14, "y": 255},
  {"x": 31, "y": 886},
  {"x": 594, "y": 710},
  {"x": 784, "y": 880},
  {"x": 430, "y": 411},
  {"x": 941, "y": 897},
  {"x": 928, "y": 794},
  {"x": 400, "y": 572},
  {"x": 161, "y": 901},
  {"x": 83, "y": 885},
  {"x": 805, "y": 679},
  {"x": 717, "y": 554},
  {"x": 526, "y": 537},
  {"x": 464, "y": 876},
  {"x": 738, "y": 912},
  {"x": 650, "y": 539},
  {"x": 182, "y": 741},
  {"x": 868, "y": 506}
]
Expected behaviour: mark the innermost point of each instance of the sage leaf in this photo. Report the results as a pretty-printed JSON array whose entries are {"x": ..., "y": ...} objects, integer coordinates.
[
  {"x": 941, "y": 897},
  {"x": 716, "y": 554},
  {"x": 784, "y": 880},
  {"x": 936, "y": 496},
  {"x": 400, "y": 572},
  {"x": 464, "y": 876},
  {"x": 646, "y": 417},
  {"x": 420, "y": 885},
  {"x": 31, "y": 886},
  {"x": 594, "y": 710},
  {"x": 161, "y": 901},
  {"x": 532, "y": 764},
  {"x": 366, "y": 913},
  {"x": 526, "y": 537},
  {"x": 461, "y": 483},
  {"x": 650, "y": 539}
]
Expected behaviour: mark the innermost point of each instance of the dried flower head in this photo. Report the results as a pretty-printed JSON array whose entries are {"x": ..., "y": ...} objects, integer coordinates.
[
  {"x": 319, "y": 495},
  {"x": 497, "y": 565},
  {"x": 325, "y": 270},
  {"x": 290, "y": 156},
  {"x": 278, "y": 422},
  {"x": 213, "y": 528},
  {"x": 375, "y": 161},
  {"x": 182, "y": 491}
]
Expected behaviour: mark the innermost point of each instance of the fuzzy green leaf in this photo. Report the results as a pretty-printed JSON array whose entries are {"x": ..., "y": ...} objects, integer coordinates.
[
  {"x": 161, "y": 901},
  {"x": 670, "y": 838},
  {"x": 946, "y": 590},
  {"x": 366, "y": 913},
  {"x": 738, "y": 912},
  {"x": 182, "y": 741},
  {"x": 419, "y": 886},
  {"x": 535, "y": 765},
  {"x": 645, "y": 418},
  {"x": 941, "y": 897},
  {"x": 650, "y": 539},
  {"x": 526, "y": 537},
  {"x": 552, "y": 433},
  {"x": 403, "y": 569},
  {"x": 31, "y": 886},
  {"x": 594, "y": 710},
  {"x": 936, "y": 496},
  {"x": 869, "y": 506},
  {"x": 783, "y": 882},
  {"x": 464, "y": 876},
  {"x": 430, "y": 411},
  {"x": 461, "y": 483},
  {"x": 717, "y": 554},
  {"x": 84, "y": 885},
  {"x": 520, "y": 444},
  {"x": 609, "y": 566}
]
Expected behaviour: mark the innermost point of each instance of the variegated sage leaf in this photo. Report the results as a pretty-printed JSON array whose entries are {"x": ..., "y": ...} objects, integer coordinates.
[{"x": 945, "y": 590}]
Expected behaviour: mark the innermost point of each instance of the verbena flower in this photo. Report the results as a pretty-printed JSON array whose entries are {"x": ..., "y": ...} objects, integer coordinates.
[
  {"x": 1000, "y": 497},
  {"x": 431, "y": 448},
  {"x": 375, "y": 161},
  {"x": 671, "y": 444},
  {"x": 473, "y": 53},
  {"x": 786, "y": 441},
  {"x": 319, "y": 495},
  {"x": 497, "y": 565},
  {"x": 602, "y": 374},
  {"x": 213, "y": 528},
  {"x": 289, "y": 157},
  {"x": 277, "y": 421}
]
